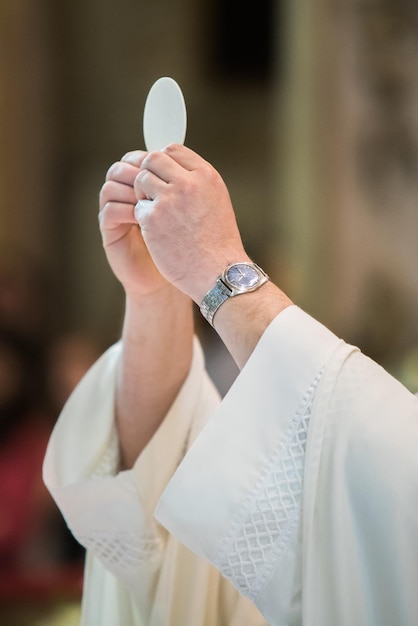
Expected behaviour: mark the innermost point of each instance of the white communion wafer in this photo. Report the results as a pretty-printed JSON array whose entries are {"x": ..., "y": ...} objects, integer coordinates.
[{"x": 165, "y": 117}]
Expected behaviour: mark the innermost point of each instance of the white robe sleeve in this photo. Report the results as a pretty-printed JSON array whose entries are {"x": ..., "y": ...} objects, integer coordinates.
[
  {"x": 307, "y": 490},
  {"x": 111, "y": 513},
  {"x": 361, "y": 498}
]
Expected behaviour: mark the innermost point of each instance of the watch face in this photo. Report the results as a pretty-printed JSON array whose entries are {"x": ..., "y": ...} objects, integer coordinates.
[{"x": 242, "y": 276}]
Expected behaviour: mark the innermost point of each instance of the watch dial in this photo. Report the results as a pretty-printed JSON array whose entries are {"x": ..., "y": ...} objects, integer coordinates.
[{"x": 242, "y": 276}]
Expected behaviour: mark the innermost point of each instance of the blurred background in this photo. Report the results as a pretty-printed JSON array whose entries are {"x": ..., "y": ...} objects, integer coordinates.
[{"x": 310, "y": 112}]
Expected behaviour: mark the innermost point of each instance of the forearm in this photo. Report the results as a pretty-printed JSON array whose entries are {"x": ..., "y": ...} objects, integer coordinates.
[{"x": 157, "y": 343}]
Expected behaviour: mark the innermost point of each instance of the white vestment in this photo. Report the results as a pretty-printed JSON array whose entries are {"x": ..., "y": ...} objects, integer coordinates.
[{"x": 300, "y": 488}]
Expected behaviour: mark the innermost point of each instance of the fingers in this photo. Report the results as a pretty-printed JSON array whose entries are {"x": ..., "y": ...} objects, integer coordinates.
[
  {"x": 117, "y": 201},
  {"x": 187, "y": 158},
  {"x": 134, "y": 157},
  {"x": 123, "y": 173},
  {"x": 114, "y": 214},
  {"x": 125, "y": 170},
  {"x": 117, "y": 196},
  {"x": 180, "y": 158},
  {"x": 159, "y": 169},
  {"x": 163, "y": 166},
  {"x": 145, "y": 175},
  {"x": 120, "y": 179},
  {"x": 116, "y": 192},
  {"x": 149, "y": 185}
]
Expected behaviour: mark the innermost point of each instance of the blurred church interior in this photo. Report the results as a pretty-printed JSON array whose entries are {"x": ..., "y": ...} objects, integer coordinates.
[{"x": 309, "y": 110}]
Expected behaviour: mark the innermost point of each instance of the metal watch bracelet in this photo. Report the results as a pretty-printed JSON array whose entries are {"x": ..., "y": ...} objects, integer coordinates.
[
  {"x": 213, "y": 300},
  {"x": 221, "y": 291}
]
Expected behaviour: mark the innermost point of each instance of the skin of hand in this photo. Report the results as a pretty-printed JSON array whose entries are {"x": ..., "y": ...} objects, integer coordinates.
[
  {"x": 189, "y": 227},
  {"x": 190, "y": 230},
  {"x": 125, "y": 249}
]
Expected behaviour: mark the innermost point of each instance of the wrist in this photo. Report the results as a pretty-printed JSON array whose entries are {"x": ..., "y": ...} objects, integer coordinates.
[
  {"x": 241, "y": 321},
  {"x": 164, "y": 294}
]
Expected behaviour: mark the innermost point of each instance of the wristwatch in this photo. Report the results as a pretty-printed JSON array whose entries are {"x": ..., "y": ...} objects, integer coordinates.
[{"x": 236, "y": 279}]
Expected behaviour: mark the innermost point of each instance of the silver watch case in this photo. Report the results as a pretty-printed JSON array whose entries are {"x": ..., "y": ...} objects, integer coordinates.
[{"x": 236, "y": 279}]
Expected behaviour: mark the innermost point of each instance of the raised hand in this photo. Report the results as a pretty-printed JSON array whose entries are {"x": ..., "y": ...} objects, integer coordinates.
[
  {"x": 122, "y": 239},
  {"x": 189, "y": 227}
]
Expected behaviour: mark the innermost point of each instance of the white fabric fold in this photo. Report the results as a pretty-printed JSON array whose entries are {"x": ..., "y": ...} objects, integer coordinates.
[
  {"x": 361, "y": 498},
  {"x": 136, "y": 573},
  {"x": 84, "y": 435}
]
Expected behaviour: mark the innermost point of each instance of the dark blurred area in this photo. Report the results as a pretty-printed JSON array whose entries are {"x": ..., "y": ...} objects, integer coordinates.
[
  {"x": 310, "y": 113},
  {"x": 40, "y": 563}
]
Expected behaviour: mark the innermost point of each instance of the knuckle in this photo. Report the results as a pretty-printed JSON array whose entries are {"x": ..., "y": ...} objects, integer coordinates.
[
  {"x": 189, "y": 187},
  {"x": 133, "y": 156},
  {"x": 210, "y": 173},
  {"x": 103, "y": 216},
  {"x": 141, "y": 177},
  {"x": 151, "y": 159},
  {"x": 113, "y": 171},
  {"x": 171, "y": 149},
  {"x": 105, "y": 210},
  {"x": 106, "y": 191}
]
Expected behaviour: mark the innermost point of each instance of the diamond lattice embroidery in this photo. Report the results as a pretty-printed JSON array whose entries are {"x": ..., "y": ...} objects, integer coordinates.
[
  {"x": 269, "y": 520},
  {"x": 121, "y": 552}
]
